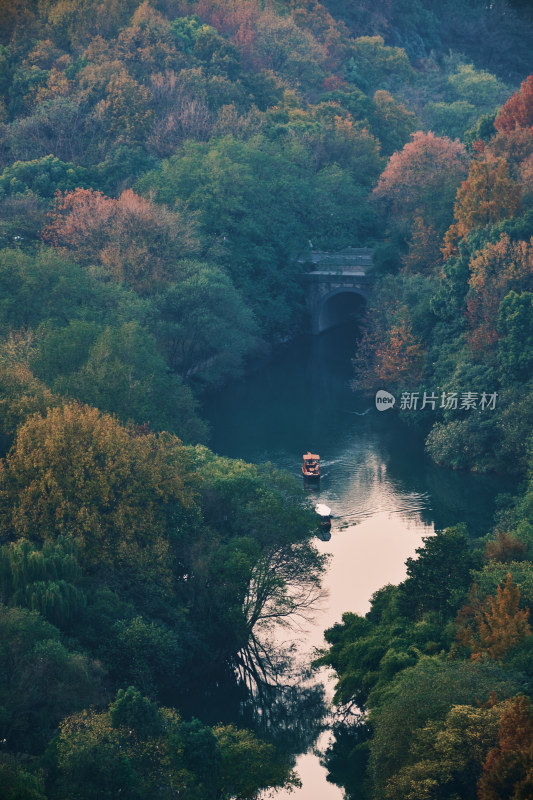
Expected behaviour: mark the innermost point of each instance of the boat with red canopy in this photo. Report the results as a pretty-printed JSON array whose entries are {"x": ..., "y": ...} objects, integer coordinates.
[{"x": 311, "y": 466}]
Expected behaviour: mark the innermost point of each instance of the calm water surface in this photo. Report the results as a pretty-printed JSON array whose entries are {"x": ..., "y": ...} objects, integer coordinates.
[{"x": 384, "y": 493}]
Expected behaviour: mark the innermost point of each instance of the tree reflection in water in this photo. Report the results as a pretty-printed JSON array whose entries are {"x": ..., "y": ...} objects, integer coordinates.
[{"x": 279, "y": 700}]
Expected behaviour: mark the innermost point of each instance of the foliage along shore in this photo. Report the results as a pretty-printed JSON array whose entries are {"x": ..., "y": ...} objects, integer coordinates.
[{"x": 162, "y": 166}]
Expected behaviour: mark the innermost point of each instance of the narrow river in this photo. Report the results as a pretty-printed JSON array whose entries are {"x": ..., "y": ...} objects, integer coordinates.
[{"x": 384, "y": 493}]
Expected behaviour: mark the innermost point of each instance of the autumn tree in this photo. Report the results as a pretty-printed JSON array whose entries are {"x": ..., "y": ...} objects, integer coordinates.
[
  {"x": 508, "y": 769},
  {"x": 424, "y": 252},
  {"x": 495, "y": 625},
  {"x": 21, "y": 392},
  {"x": 399, "y": 358},
  {"x": 70, "y": 474},
  {"x": 496, "y": 270},
  {"x": 391, "y": 348},
  {"x": 147, "y": 44},
  {"x": 517, "y": 112},
  {"x": 125, "y": 109},
  {"x": 135, "y": 241},
  {"x": 487, "y": 196},
  {"x": 504, "y": 547},
  {"x": 421, "y": 181}
]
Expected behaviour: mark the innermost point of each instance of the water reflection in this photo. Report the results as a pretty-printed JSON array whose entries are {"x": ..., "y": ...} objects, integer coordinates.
[{"x": 384, "y": 493}]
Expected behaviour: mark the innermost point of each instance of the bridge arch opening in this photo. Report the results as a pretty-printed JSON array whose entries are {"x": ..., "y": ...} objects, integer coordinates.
[{"x": 337, "y": 308}]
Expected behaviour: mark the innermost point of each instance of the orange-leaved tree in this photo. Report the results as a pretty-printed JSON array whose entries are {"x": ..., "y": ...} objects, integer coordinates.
[
  {"x": 492, "y": 626},
  {"x": 399, "y": 358},
  {"x": 494, "y": 271},
  {"x": 488, "y": 195},
  {"x": 508, "y": 769}
]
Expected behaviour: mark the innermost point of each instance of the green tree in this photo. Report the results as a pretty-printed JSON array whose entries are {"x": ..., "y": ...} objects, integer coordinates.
[
  {"x": 392, "y": 123},
  {"x": 438, "y": 578},
  {"x": 17, "y": 782},
  {"x": 515, "y": 330},
  {"x": 148, "y": 654},
  {"x": 130, "y": 709},
  {"x": 419, "y": 695},
  {"x": 125, "y": 375},
  {"x": 447, "y": 755},
  {"x": 139, "y": 749},
  {"x": 44, "y": 580},
  {"x": 42, "y": 680},
  {"x": 478, "y": 87},
  {"x": 373, "y": 65},
  {"x": 248, "y": 765},
  {"x": 203, "y": 324},
  {"x": 43, "y": 176},
  {"x": 449, "y": 119}
]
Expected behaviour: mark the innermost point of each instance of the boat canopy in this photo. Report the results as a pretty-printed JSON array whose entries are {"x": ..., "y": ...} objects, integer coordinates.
[
  {"x": 311, "y": 457},
  {"x": 324, "y": 511}
]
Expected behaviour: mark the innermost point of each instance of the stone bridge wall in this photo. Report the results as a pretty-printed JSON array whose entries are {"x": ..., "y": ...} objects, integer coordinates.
[{"x": 332, "y": 274}]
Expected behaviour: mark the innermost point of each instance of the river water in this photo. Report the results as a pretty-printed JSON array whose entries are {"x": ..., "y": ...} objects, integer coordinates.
[{"x": 384, "y": 493}]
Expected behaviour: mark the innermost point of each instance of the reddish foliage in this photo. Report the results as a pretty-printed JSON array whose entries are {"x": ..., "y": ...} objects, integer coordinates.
[
  {"x": 334, "y": 82},
  {"x": 508, "y": 770},
  {"x": 422, "y": 179},
  {"x": 136, "y": 241},
  {"x": 424, "y": 252},
  {"x": 494, "y": 626},
  {"x": 399, "y": 356},
  {"x": 494, "y": 271},
  {"x": 488, "y": 195},
  {"x": 517, "y": 112},
  {"x": 504, "y": 548}
]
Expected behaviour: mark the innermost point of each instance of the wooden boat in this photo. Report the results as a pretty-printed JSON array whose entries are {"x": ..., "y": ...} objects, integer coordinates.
[{"x": 311, "y": 466}]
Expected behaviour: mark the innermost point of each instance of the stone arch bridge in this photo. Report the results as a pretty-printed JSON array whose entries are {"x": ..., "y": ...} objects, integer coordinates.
[{"x": 336, "y": 285}]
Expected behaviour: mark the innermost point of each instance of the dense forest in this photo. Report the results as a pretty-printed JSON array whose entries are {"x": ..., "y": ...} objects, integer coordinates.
[{"x": 164, "y": 168}]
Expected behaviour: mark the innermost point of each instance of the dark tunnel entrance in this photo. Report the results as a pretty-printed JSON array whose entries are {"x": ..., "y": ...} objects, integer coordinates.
[{"x": 338, "y": 308}]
